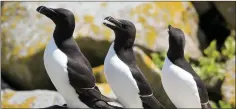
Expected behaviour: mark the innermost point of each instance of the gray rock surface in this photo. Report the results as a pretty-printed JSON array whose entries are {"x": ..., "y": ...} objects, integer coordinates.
[
  {"x": 30, "y": 99},
  {"x": 42, "y": 98},
  {"x": 228, "y": 10}
]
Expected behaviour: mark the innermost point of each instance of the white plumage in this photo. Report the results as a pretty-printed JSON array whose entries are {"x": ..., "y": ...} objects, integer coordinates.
[
  {"x": 121, "y": 80},
  {"x": 180, "y": 86},
  {"x": 55, "y": 62}
]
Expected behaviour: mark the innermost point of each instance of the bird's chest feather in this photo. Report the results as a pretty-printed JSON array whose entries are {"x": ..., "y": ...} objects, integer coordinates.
[
  {"x": 174, "y": 72},
  {"x": 179, "y": 86},
  {"x": 113, "y": 64},
  {"x": 54, "y": 58}
]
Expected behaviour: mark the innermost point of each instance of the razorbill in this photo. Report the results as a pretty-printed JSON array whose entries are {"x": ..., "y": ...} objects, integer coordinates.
[
  {"x": 123, "y": 75},
  {"x": 67, "y": 67},
  {"x": 182, "y": 85}
]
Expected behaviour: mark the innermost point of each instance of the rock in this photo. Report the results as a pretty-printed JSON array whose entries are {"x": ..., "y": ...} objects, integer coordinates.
[
  {"x": 228, "y": 87},
  {"x": 228, "y": 10},
  {"x": 30, "y": 99},
  {"x": 212, "y": 24},
  {"x": 202, "y": 7},
  {"x": 41, "y": 98},
  {"x": 4, "y": 84},
  {"x": 26, "y": 32}
]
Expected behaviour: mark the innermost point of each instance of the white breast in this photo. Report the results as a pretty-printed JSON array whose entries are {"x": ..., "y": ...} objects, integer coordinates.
[
  {"x": 121, "y": 80},
  {"x": 180, "y": 86},
  {"x": 55, "y": 62}
]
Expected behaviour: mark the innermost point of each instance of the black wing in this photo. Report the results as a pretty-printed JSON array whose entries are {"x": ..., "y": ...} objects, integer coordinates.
[
  {"x": 56, "y": 107},
  {"x": 146, "y": 94},
  {"x": 94, "y": 99},
  {"x": 81, "y": 75}
]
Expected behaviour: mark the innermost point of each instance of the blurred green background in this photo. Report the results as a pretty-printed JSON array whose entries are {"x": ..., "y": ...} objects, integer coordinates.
[{"x": 210, "y": 43}]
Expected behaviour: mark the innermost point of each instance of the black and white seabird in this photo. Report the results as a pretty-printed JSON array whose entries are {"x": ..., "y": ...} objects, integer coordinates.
[
  {"x": 67, "y": 67},
  {"x": 123, "y": 75},
  {"x": 182, "y": 85}
]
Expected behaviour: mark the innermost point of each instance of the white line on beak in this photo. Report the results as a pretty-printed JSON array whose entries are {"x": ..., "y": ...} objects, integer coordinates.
[{"x": 40, "y": 9}]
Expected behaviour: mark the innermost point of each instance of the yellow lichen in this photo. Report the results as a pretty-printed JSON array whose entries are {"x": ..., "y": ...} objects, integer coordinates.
[
  {"x": 146, "y": 8},
  {"x": 18, "y": 5},
  {"x": 138, "y": 35},
  {"x": 99, "y": 75},
  {"x": 38, "y": 16},
  {"x": 107, "y": 33},
  {"x": 98, "y": 69},
  {"x": 28, "y": 102},
  {"x": 103, "y": 4},
  {"x": 186, "y": 24},
  {"x": 95, "y": 28},
  {"x": 76, "y": 18},
  {"x": 4, "y": 9},
  {"x": 89, "y": 19},
  {"x": 3, "y": 18},
  {"x": 48, "y": 29},
  {"x": 106, "y": 88},
  {"x": 13, "y": 25},
  {"x": 40, "y": 45},
  {"x": 16, "y": 50},
  {"x": 31, "y": 50},
  {"x": 8, "y": 95},
  {"x": 141, "y": 19},
  {"x": 155, "y": 11},
  {"x": 17, "y": 18},
  {"x": 132, "y": 12},
  {"x": 232, "y": 100},
  {"x": 150, "y": 37},
  {"x": 147, "y": 61}
]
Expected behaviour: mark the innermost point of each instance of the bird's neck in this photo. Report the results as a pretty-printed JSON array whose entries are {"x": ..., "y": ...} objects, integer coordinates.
[
  {"x": 123, "y": 43},
  {"x": 62, "y": 33},
  {"x": 174, "y": 54}
]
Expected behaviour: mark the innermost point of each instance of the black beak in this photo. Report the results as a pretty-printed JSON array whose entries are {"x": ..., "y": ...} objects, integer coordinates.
[
  {"x": 112, "y": 23},
  {"x": 49, "y": 12},
  {"x": 170, "y": 27}
]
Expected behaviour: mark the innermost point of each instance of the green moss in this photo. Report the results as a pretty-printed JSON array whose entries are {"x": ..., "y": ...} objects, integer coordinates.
[{"x": 224, "y": 105}]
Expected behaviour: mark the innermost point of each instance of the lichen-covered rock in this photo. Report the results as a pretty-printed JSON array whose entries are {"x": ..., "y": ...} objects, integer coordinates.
[
  {"x": 25, "y": 33},
  {"x": 42, "y": 98},
  {"x": 30, "y": 99},
  {"x": 228, "y": 87}
]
